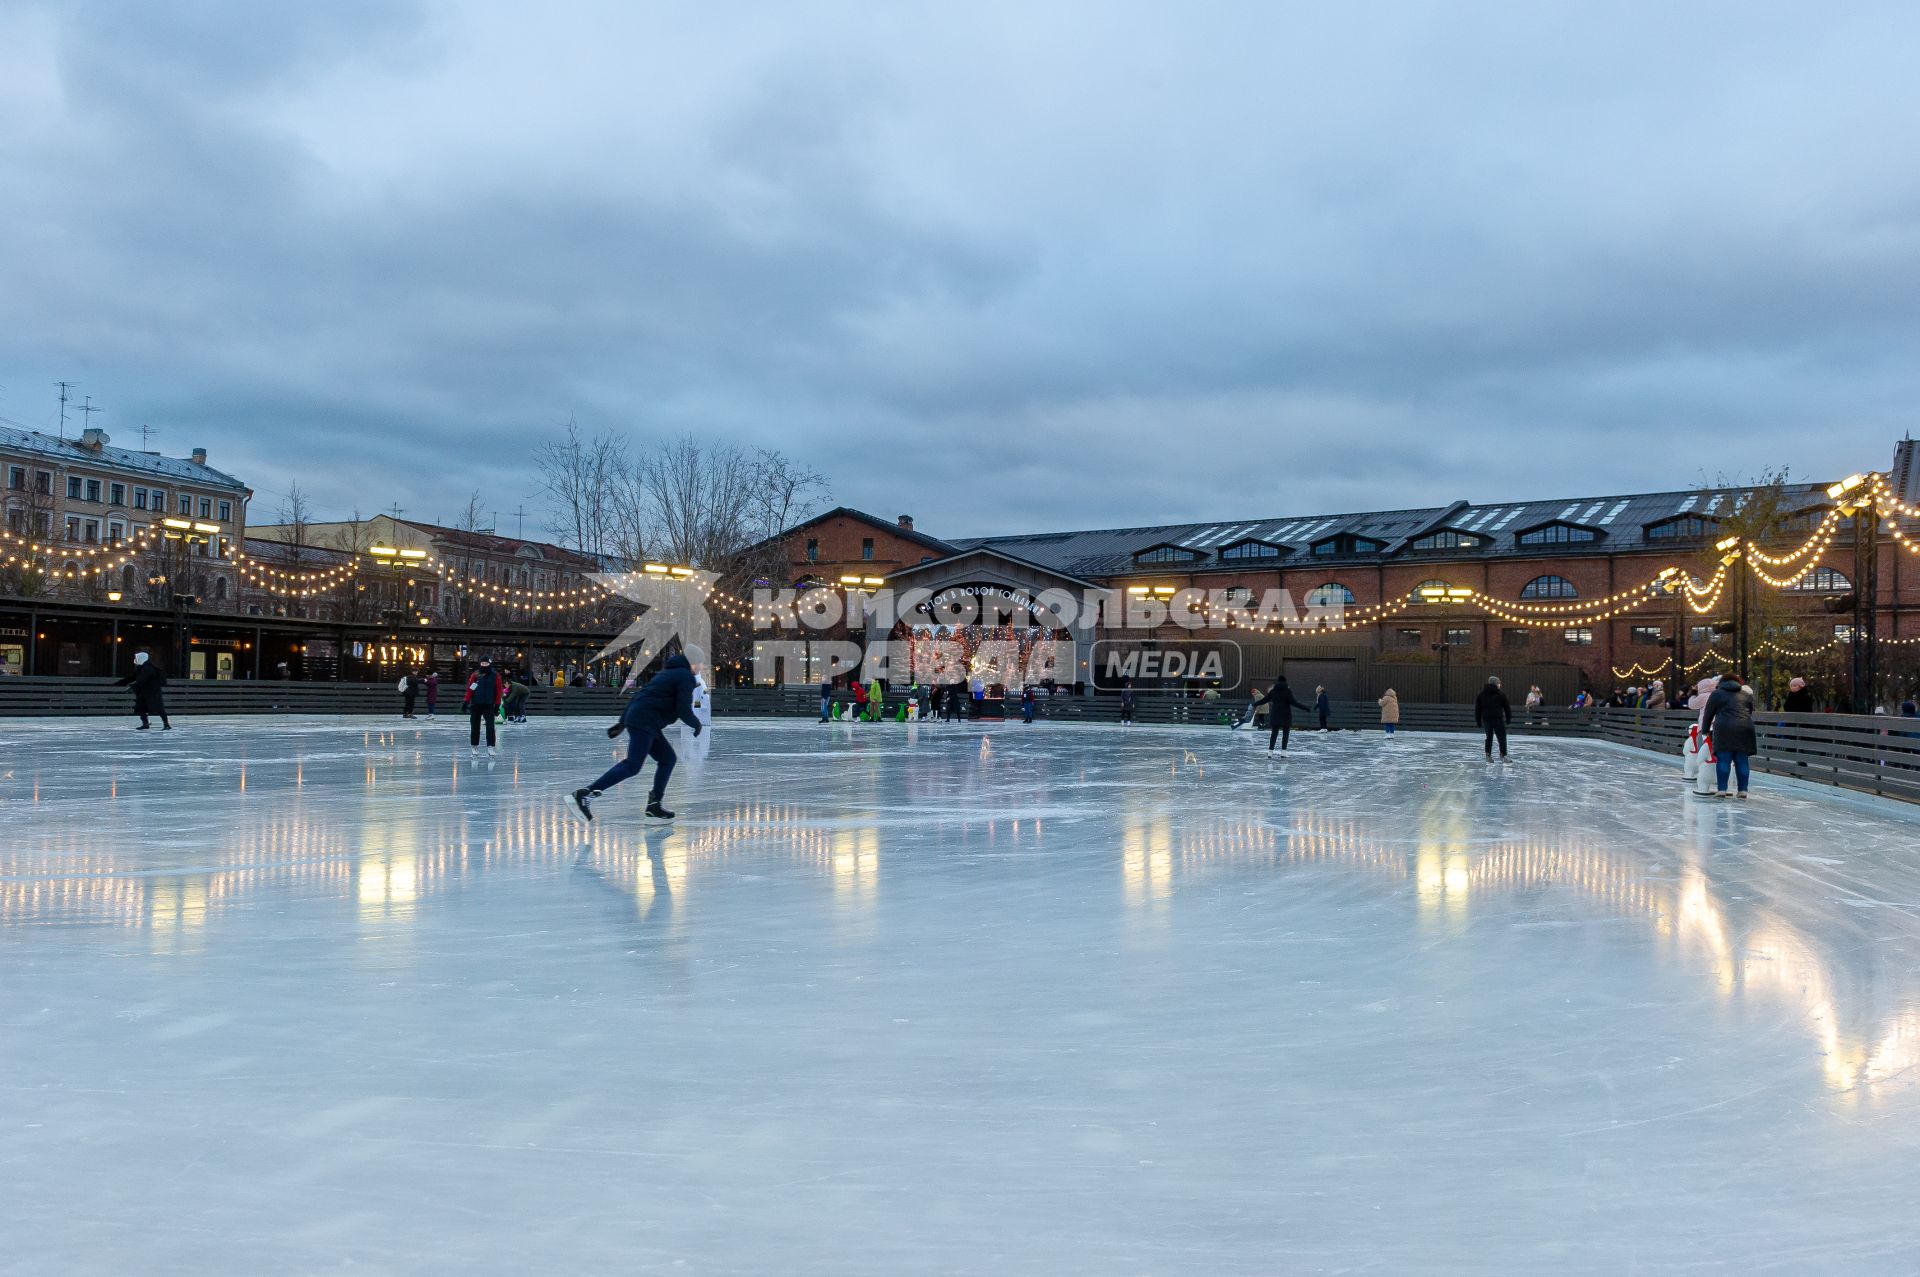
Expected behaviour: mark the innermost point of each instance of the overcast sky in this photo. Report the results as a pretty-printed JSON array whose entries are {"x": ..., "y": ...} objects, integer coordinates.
[{"x": 1005, "y": 267}]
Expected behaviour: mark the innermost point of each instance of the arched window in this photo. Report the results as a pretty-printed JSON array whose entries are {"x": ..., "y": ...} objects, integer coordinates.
[
  {"x": 126, "y": 580},
  {"x": 1330, "y": 593},
  {"x": 220, "y": 588},
  {"x": 1549, "y": 587},
  {"x": 1823, "y": 581},
  {"x": 1432, "y": 585}
]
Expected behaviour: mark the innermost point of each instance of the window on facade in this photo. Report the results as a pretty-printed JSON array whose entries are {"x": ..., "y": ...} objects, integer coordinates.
[
  {"x": 1692, "y": 527},
  {"x": 1329, "y": 594},
  {"x": 1239, "y": 593},
  {"x": 1446, "y": 539},
  {"x": 226, "y": 512},
  {"x": 73, "y": 529},
  {"x": 1407, "y": 638},
  {"x": 17, "y": 478},
  {"x": 73, "y": 487},
  {"x": 206, "y": 507},
  {"x": 117, "y": 494},
  {"x": 43, "y": 482},
  {"x": 1459, "y": 638},
  {"x": 139, "y": 498},
  {"x": 1557, "y": 534},
  {"x": 813, "y": 550},
  {"x": 1250, "y": 550},
  {"x": 1823, "y": 581},
  {"x": 1578, "y": 636},
  {"x": 1645, "y": 635},
  {"x": 1515, "y": 636},
  {"x": 116, "y": 532},
  {"x": 1844, "y": 633},
  {"x": 93, "y": 491},
  {"x": 866, "y": 548},
  {"x": 1699, "y": 634},
  {"x": 17, "y": 522},
  {"x": 1431, "y": 585},
  {"x": 43, "y": 524},
  {"x": 1549, "y": 587},
  {"x": 186, "y": 504}
]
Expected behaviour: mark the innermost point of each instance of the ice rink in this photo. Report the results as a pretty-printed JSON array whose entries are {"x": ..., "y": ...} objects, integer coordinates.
[{"x": 324, "y": 995}]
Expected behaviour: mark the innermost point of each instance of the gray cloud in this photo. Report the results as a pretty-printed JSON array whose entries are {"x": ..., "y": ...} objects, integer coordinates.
[{"x": 1002, "y": 268}]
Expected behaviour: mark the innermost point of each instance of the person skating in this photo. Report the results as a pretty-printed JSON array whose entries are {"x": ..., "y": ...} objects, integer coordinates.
[
  {"x": 1799, "y": 699},
  {"x": 666, "y": 698},
  {"x": 484, "y": 691},
  {"x": 433, "y": 693},
  {"x": 859, "y": 700},
  {"x": 1280, "y": 699},
  {"x": 146, "y": 681},
  {"x": 1728, "y": 713},
  {"x": 826, "y": 699},
  {"x": 1126, "y": 701},
  {"x": 409, "y": 692},
  {"x": 518, "y": 690},
  {"x": 1026, "y": 704},
  {"x": 1322, "y": 708},
  {"x": 1389, "y": 711},
  {"x": 1493, "y": 711}
]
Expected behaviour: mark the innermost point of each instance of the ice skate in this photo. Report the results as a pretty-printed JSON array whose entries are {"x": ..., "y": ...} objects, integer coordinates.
[
  {"x": 655, "y": 810},
  {"x": 581, "y": 802}
]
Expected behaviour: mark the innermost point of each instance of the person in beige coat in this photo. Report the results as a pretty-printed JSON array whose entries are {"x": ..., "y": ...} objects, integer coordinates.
[{"x": 1389, "y": 712}]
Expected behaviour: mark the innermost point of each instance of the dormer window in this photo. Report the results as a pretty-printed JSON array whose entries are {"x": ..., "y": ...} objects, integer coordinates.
[
  {"x": 1347, "y": 543},
  {"x": 1558, "y": 533},
  {"x": 1448, "y": 539},
  {"x": 1242, "y": 551},
  {"x": 1685, "y": 527},
  {"x": 1168, "y": 553}
]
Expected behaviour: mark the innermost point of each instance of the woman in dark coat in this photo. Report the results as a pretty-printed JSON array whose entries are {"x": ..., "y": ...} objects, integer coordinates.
[
  {"x": 146, "y": 681},
  {"x": 1799, "y": 699},
  {"x": 1728, "y": 714},
  {"x": 1280, "y": 717}
]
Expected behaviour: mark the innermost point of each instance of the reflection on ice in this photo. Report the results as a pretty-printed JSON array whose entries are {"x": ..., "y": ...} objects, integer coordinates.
[{"x": 1136, "y": 962}]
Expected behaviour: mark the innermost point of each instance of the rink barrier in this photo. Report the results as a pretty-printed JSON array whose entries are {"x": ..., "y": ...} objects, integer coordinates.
[
  {"x": 1871, "y": 753},
  {"x": 41, "y": 697}
]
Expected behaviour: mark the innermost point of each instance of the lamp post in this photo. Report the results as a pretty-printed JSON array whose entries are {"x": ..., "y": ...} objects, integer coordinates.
[
  {"x": 1861, "y": 648},
  {"x": 1440, "y": 596}
]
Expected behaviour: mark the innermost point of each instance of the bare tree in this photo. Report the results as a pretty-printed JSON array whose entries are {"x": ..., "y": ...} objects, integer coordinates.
[
  {"x": 582, "y": 480},
  {"x": 295, "y": 514}
]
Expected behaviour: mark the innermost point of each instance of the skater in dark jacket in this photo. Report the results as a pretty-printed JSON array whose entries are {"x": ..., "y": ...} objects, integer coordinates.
[
  {"x": 1493, "y": 711},
  {"x": 1026, "y": 704},
  {"x": 146, "y": 681},
  {"x": 1126, "y": 700},
  {"x": 666, "y": 698},
  {"x": 1322, "y": 707},
  {"x": 484, "y": 692},
  {"x": 1799, "y": 699},
  {"x": 409, "y": 692},
  {"x": 1728, "y": 713},
  {"x": 1280, "y": 716}
]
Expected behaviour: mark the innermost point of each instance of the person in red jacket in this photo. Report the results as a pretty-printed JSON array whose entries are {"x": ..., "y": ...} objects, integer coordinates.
[{"x": 859, "y": 700}]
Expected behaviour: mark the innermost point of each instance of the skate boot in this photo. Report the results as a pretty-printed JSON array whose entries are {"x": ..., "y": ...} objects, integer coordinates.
[
  {"x": 581, "y": 800},
  {"x": 655, "y": 810},
  {"x": 492, "y": 752},
  {"x": 144, "y": 727}
]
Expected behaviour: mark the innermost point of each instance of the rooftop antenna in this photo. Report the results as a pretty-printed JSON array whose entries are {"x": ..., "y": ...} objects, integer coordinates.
[
  {"x": 87, "y": 408},
  {"x": 65, "y": 386},
  {"x": 396, "y": 511},
  {"x": 145, "y": 431},
  {"x": 520, "y": 525}
]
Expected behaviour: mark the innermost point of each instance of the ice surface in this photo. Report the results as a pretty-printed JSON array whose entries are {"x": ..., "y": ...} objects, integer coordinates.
[{"x": 309, "y": 995}]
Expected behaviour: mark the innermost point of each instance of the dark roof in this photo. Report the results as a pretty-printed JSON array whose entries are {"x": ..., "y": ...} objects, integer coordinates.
[
  {"x": 885, "y": 525},
  {"x": 495, "y": 543},
  {"x": 1108, "y": 552},
  {"x": 180, "y": 469}
]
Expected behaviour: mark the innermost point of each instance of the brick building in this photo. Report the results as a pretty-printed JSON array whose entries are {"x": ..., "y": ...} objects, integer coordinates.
[{"x": 1571, "y": 552}]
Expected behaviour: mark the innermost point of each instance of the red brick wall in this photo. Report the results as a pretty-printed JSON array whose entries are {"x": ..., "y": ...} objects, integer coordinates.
[{"x": 839, "y": 540}]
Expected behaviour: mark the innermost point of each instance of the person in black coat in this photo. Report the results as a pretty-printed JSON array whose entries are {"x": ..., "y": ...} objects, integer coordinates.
[
  {"x": 146, "y": 681},
  {"x": 1799, "y": 699},
  {"x": 1493, "y": 711},
  {"x": 1280, "y": 717},
  {"x": 1322, "y": 708},
  {"x": 667, "y": 698},
  {"x": 1728, "y": 714},
  {"x": 485, "y": 690}
]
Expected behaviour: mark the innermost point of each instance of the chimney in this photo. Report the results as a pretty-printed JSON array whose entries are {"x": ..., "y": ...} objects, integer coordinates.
[
  {"x": 906, "y": 521},
  {"x": 93, "y": 439},
  {"x": 199, "y": 456}
]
